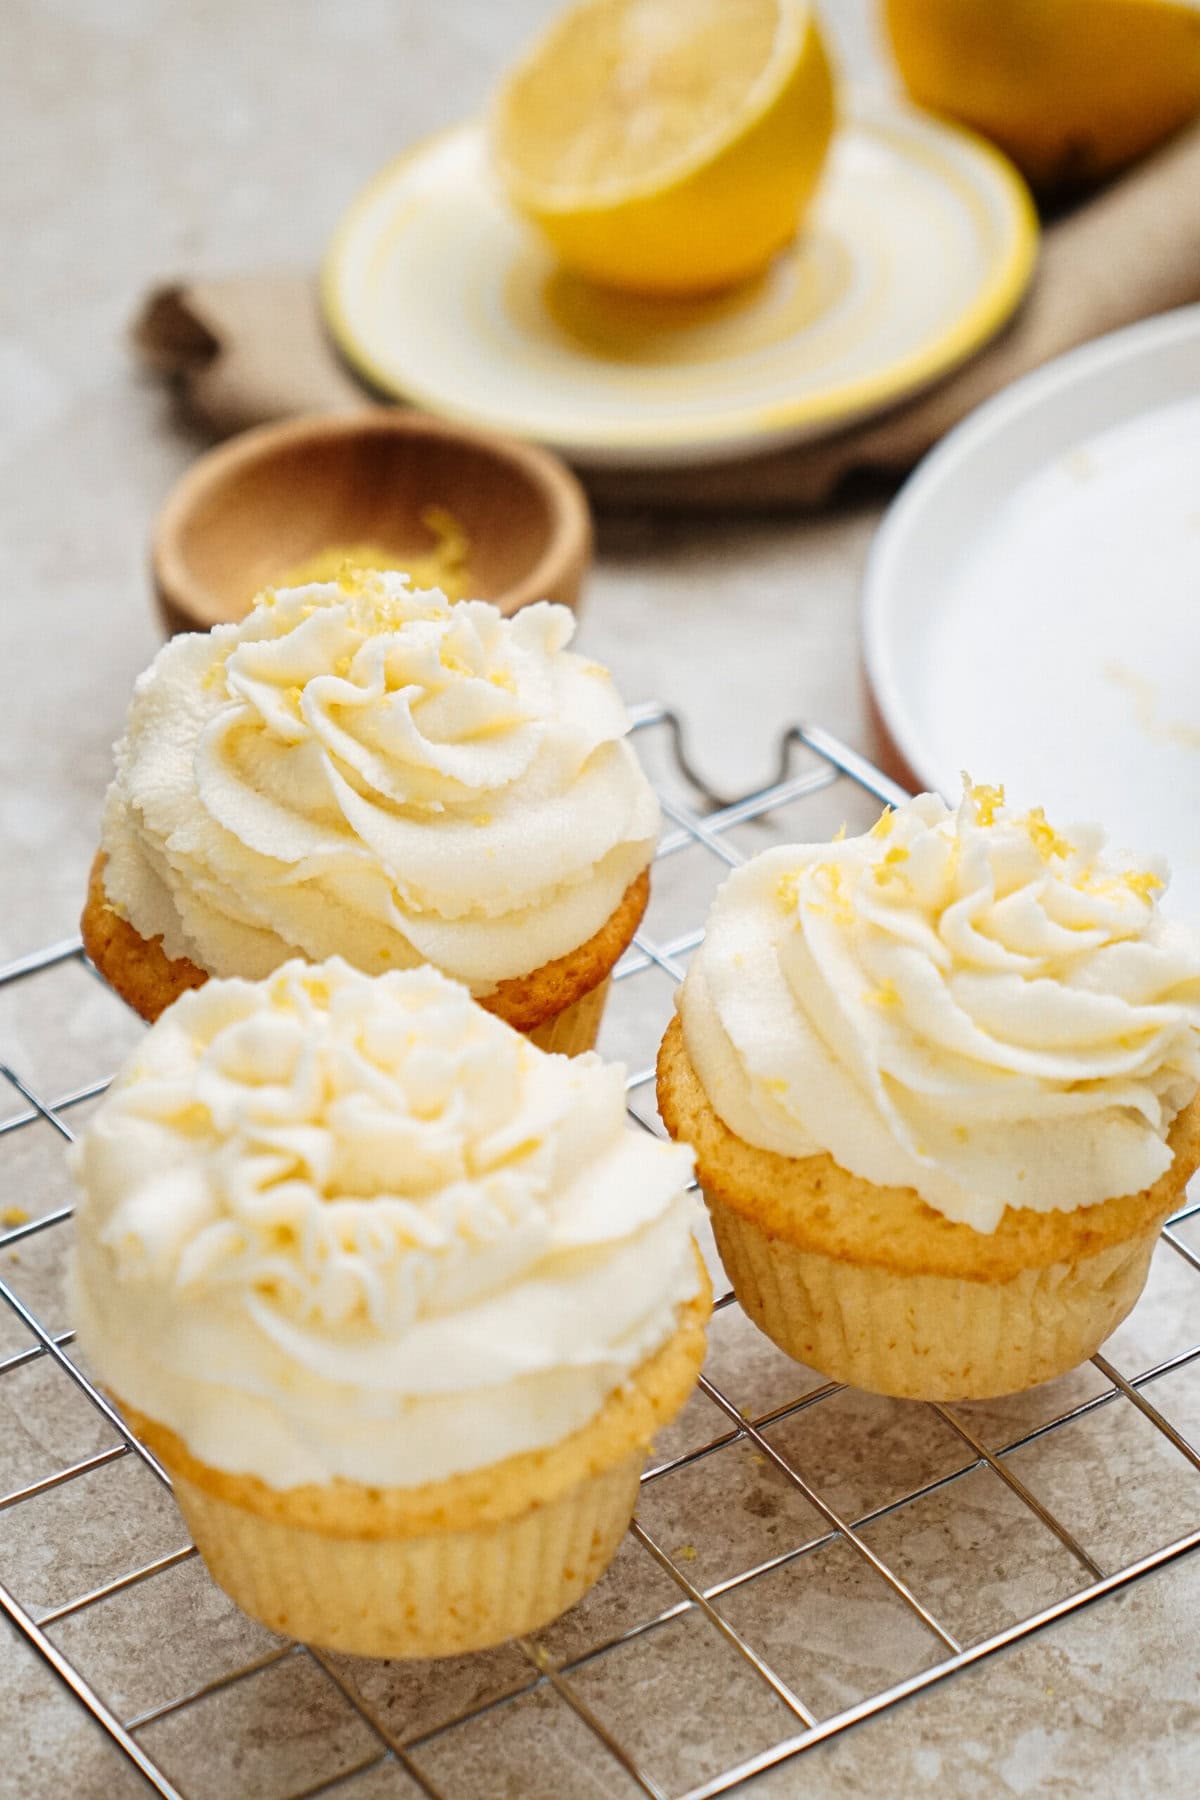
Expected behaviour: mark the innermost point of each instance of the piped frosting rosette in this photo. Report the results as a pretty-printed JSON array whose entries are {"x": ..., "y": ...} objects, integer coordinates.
[
  {"x": 368, "y": 1231},
  {"x": 363, "y": 770},
  {"x": 968, "y": 1003}
]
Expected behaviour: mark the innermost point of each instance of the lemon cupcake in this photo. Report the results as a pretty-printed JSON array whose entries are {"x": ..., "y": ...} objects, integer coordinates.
[
  {"x": 941, "y": 1082},
  {"x": 362, "y": 770},
  {"x": 397, "y": 1298}
]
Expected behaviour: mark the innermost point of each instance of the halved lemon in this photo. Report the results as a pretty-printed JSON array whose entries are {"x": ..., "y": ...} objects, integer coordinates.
[{"x": 668, "y": 146}]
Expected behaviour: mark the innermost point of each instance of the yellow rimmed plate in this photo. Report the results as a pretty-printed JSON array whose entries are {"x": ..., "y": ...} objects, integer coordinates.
[{"x": 920, "y": 245}]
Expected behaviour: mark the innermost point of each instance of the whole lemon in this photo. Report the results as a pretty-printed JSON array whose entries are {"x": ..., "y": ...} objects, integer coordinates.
[
  {"x": 668, "y": 146},
  {"x": 1073, "y": 90}
]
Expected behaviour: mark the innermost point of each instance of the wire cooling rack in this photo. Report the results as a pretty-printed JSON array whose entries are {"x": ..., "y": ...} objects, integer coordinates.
[{"x": 804, "y": 1557}]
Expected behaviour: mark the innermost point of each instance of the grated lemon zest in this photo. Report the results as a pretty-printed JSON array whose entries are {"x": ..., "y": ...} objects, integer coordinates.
[
  {"x": 883, "y": 825},
  {"x": 987, "y": 801},
  {"x": 889, "y": 868},
  {"x": 1143, "y": 883},
  {"x": 840, "y": 907},
  {"x": 1046, "y": 841},
  {"x": 787, "y": 889},
  {"x": 884, "y": 995}
]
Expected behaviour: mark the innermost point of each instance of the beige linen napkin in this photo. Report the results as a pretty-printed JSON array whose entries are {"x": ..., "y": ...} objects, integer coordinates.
[{"x": 249, "y": 348}]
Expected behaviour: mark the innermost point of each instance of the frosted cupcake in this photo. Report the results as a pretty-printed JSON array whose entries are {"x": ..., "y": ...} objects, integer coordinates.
[
  {"x": 941, "y": 1083},
  {"x": 397, "y": 1299},
  {"x": 361, "y": 770}
]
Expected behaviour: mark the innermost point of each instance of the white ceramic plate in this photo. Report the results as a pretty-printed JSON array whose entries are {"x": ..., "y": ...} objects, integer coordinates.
[
  {"x": 920, "y": 245},
  {"x": 1032, "y": 608}
]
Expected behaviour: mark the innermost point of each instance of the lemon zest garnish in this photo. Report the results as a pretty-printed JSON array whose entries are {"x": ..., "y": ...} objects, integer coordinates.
[
  {"x": 686, "y": 1553},
  {"x": 839, "y": 835},
  {"x": 503, "y": 678},
  {"x": 883, "y": 825},
  {"x": 294, "y": 695},
  {"x": 889, "y": 868},
  {"x": 482, "y": 819},
  {"x": 1141, "y": 882},
  {"x": 1046, "y": 841},
  {"x": 14, "y": 1215},
  {"x": 775, "y": 1084},
  {"x": 987, "y": 801},
  {"x": 884, "y": 995},
  {"x": 352, "y": 565},
  {"x": 841, "y": 908},
  {"x": 342, "y": 666},
  {"x": 787, "y": 889}
]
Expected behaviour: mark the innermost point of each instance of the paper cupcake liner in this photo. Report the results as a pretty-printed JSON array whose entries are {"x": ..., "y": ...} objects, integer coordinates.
[
  {"x": 438, "y": 1595},
  {"x": 576, "y": 1028},
  {"x": 929, "y": 1337}
]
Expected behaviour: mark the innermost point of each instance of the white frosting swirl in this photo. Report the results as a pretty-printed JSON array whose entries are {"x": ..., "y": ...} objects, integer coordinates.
[
  {"x": 968, "y": 1004},
  {"x": 342, "y": 1226},
  {"x": 357, "y": 769}
]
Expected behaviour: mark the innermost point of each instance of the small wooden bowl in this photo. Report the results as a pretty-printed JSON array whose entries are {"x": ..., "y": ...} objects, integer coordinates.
[{"x": 272, "y": 499}]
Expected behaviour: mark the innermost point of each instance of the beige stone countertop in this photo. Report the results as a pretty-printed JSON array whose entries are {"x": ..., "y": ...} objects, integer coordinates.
[{"x": 148, "y": 138}]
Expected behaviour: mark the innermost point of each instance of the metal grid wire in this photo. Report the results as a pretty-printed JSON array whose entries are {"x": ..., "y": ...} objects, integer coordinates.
[{"x": 709, "y": 827}]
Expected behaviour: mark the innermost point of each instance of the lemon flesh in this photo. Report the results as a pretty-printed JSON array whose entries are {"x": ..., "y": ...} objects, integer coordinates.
[
  {"x": 665, "y": 146},
  {"x": 1072, "y": 90}
]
